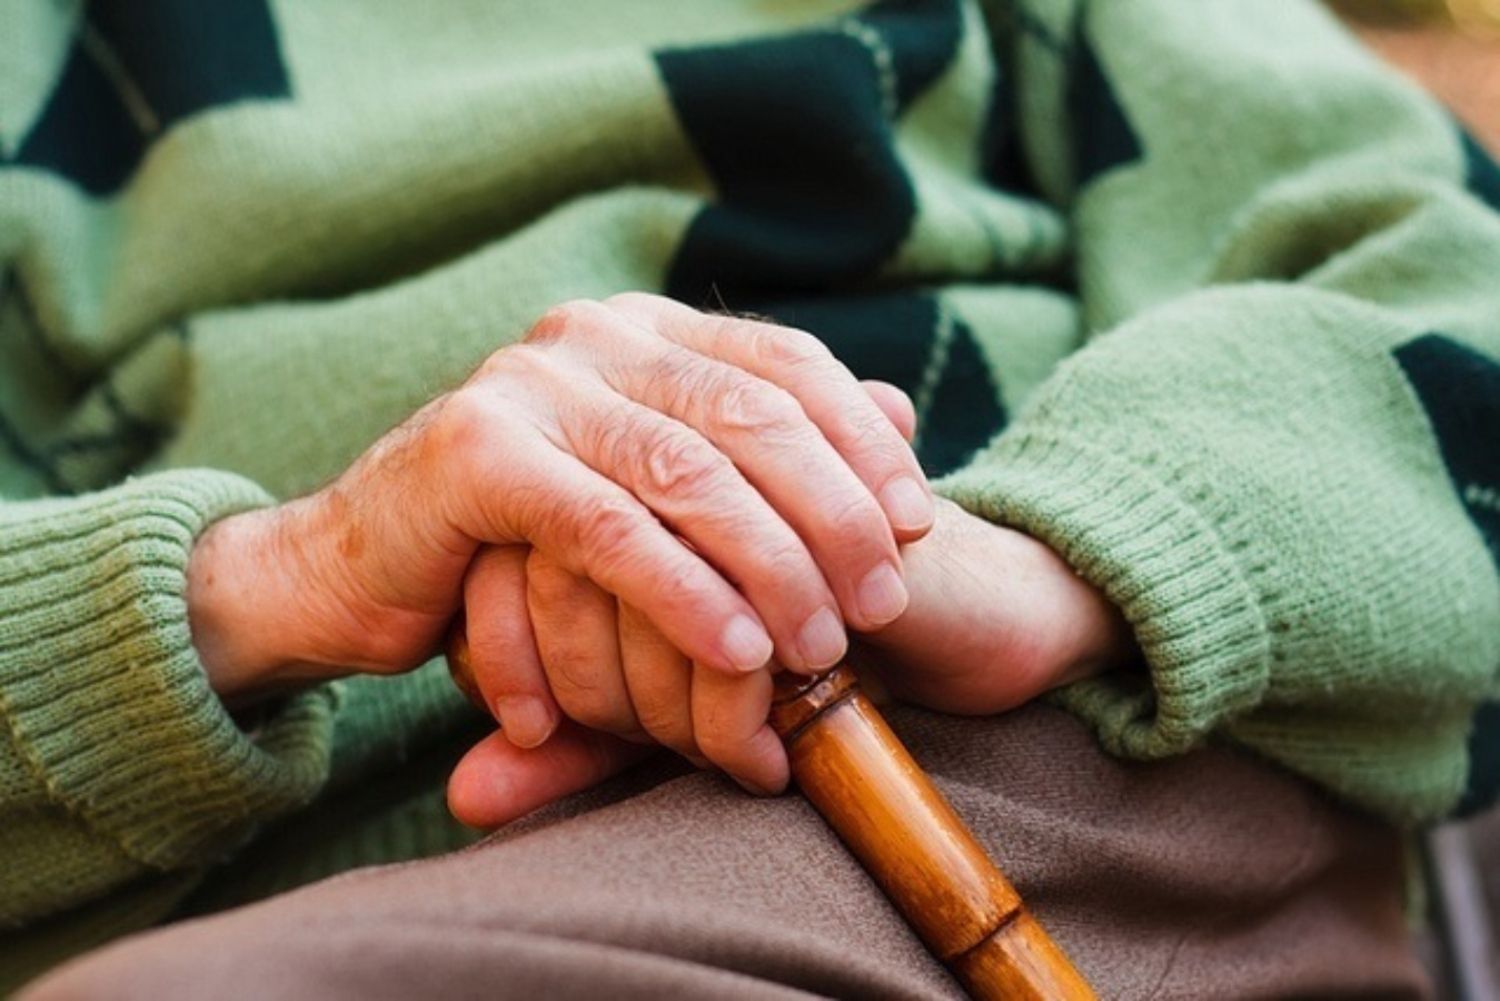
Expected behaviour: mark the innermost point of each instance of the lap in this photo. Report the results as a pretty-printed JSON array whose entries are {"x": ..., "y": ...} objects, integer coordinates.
[{"x": 1208, "y": 875}]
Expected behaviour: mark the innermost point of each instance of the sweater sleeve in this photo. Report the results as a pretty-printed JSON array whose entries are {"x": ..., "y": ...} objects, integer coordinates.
[
  {"x": 116, "y": 758},
  {"x": 1281, "y": 454}
]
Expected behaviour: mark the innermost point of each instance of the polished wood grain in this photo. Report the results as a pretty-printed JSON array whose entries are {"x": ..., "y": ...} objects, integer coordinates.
[{"x": 855, "y": 771}]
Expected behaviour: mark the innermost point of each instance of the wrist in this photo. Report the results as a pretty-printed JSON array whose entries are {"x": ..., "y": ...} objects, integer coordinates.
[
  {"x": 996, "y": 618},
  {"x": 244, "y": 607},
  {"x": 1099, "y": 639}
]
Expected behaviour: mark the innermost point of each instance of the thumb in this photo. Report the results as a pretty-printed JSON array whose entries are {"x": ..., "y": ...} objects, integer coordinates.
[{"x": 497, "y": 782}]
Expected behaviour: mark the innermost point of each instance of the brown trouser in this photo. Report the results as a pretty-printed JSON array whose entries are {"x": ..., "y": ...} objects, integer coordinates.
[{"x": 1209, "y": 876}]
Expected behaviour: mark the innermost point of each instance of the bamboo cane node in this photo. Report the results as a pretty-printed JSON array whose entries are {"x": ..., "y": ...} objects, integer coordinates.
[
  {"x": 1006, "y": 918},
  {"x": 798, "y": 702},
  {"x": 1018, "y": 961}
]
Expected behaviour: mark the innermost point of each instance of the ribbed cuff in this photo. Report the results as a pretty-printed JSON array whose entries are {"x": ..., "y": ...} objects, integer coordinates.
[
  {"x": 1125, "y": 527},
  {"x": 103, "y": 691}
]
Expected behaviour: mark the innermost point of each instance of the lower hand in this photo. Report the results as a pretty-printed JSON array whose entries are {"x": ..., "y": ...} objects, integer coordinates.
[
  {"x": 544, "y": 644},
  {"x": 996, "y": 618}
]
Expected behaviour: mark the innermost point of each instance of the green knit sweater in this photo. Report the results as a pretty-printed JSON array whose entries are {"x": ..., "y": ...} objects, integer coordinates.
[{"x": 1195, "y": 293}]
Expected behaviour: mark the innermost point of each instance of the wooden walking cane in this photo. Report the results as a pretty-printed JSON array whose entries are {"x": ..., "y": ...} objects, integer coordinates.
[{"x": 856, "y": 773}]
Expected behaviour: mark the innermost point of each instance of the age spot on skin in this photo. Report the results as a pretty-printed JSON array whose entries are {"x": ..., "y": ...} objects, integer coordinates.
[{"x": 351, "y": 541}]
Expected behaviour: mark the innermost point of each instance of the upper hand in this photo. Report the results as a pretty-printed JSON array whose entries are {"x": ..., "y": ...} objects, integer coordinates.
[
  {"x": 727, "y": 478},
  {"x": 542, "y": 644}
]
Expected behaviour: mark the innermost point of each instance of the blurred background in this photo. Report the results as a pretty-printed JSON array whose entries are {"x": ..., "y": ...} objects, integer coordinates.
[{"x": 1452, "y": 48}]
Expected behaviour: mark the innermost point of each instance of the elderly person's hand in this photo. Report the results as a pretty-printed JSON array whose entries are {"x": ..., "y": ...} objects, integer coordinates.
[
  {"x": 545, "y": 644},
  {"x": 726, "y": 478},
  {"x": 996, "y": 618}
]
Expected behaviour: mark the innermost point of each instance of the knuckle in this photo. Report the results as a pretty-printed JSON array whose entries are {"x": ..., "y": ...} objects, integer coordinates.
[
  {"x": 496, "y": 362},
  {"x": 526, "y": 362},
  {"x": 873, "y": 435},
  {"x": 784, "y": 347},
  {"x": 461, "y": 424},
  {"x": 786, "y": 563},
  {"x": 678, "y": 463},
  {"x": 676, "y": 376},
  {"x": 598, "y": 715},
  {"x": 656, "y": 718},
  {"x": 665, "y": 723},
  {"x": 581, "y": 699},
  {"x": 681, "y": 591},
  {"x": 718, "y": 744},
  {"x": 875, "y": 450},
  {"x": 634, "y": 302},
  {"x": 577, "y": 676},
  {"x": 572, "y": 685},
  {"x": 608, "y": 530},
  {"x": 566, "y": 319},
  {"x": 756, "y": 407},
  {"x": 851, "y": 522}
]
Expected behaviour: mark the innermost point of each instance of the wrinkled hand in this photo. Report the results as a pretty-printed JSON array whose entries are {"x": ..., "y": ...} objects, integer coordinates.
[
  {"x": 996, "y": 618},
  {"x": 728, "y": 479},
  {"x": 544, "y": 644}
]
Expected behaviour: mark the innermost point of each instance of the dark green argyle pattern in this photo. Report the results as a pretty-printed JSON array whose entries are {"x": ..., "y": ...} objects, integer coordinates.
[{"x": 135, "y": 69}]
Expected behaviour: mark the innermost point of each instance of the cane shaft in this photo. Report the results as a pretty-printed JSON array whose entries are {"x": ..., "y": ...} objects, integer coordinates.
[{"x": 858, "y": 775}]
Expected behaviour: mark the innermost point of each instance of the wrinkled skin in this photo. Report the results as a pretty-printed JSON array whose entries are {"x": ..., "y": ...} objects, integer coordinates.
[{"x": 642, "y": 511}]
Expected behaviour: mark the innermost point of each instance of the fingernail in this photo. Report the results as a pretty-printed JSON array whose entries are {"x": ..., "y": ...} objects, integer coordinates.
[
  {"x": 746, "y": 644},
  {"x": 821, "y": 641},
  {"x": 881, "y": 595},
  {"x": 907, "y": 505},
  {"x": 526, "y": 720}
]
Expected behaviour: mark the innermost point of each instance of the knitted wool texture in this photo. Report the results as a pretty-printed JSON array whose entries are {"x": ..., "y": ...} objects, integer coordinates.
[{"x": 1203, "y": 298}]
